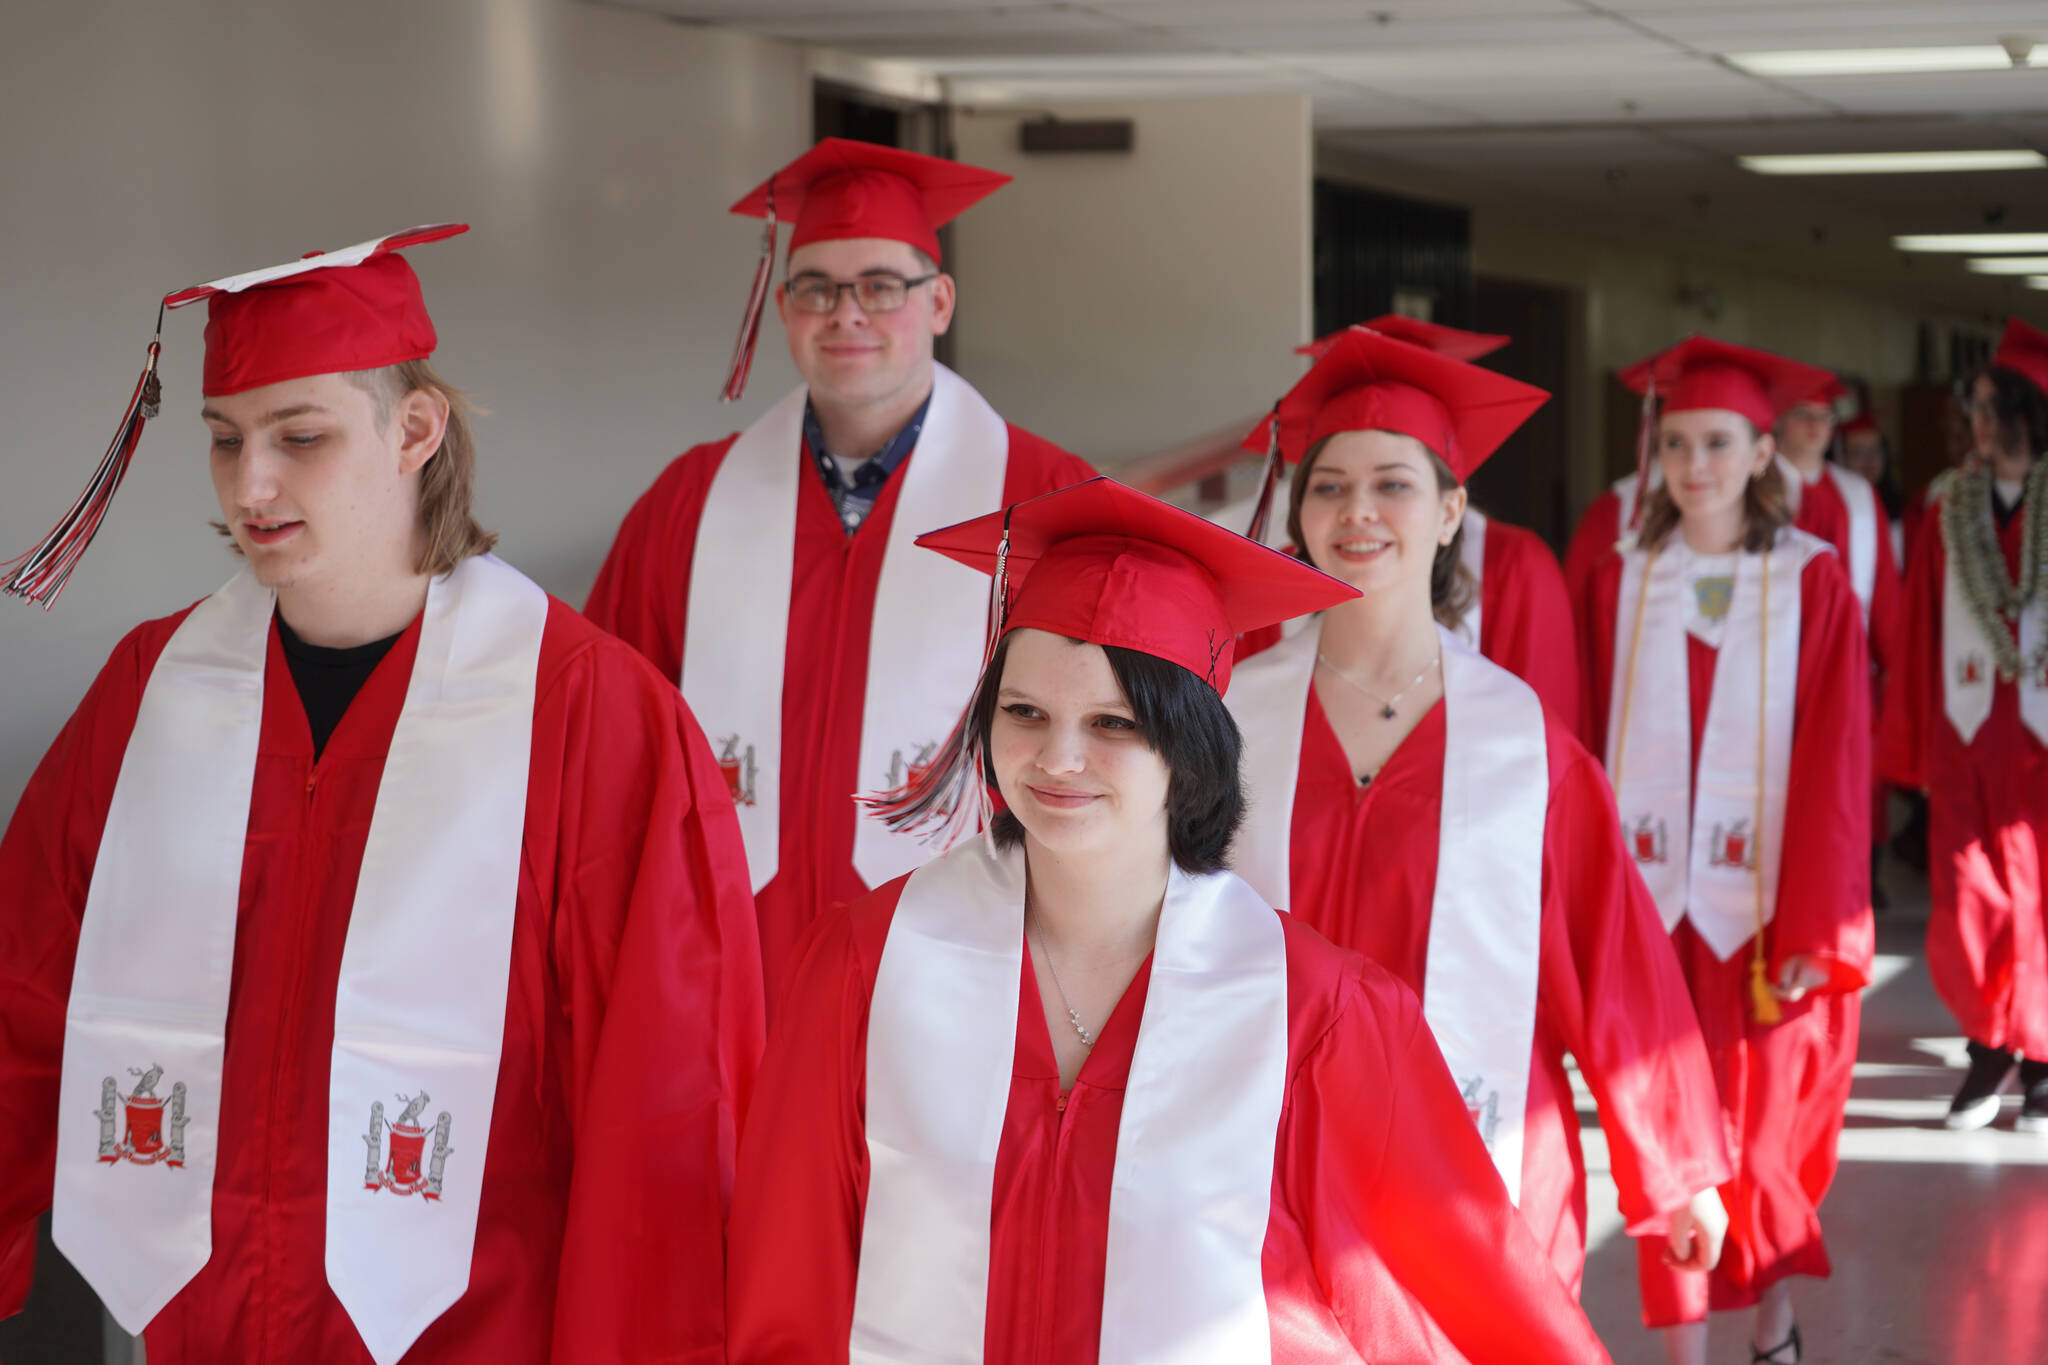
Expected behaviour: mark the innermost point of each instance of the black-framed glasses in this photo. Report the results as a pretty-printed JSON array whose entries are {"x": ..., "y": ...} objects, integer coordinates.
[{"x": 878, "y": 293}]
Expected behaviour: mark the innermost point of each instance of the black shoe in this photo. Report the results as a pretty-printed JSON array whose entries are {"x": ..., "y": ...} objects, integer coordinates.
[
  {"x": 1976, "y": 1103},
  {"x": 1776, "y": 1355},
  {"x": 2034, "y": 1112}
]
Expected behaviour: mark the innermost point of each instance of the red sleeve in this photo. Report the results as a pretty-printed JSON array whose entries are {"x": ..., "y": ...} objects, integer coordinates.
[
  {"x": 1615, "y": 991},
  {"x": 1823, "y": 908},
  {"x": 642, "y": 593},
  {"x": 1913, "y": 686},
  {"x": 1595, "y": 606},
  {"x": 654, "y": 949},
  {"x": 46, "y": 862},
  {"x": 794, "y": 1254},
  {"x": 1592, "y": 542},
  {"x": 1396, "y": 1175},
  {"x": 1527, "y": 620}
]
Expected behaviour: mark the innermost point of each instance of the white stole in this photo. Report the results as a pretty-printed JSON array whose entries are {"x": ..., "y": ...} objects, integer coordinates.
[
  {"x": 1969, "y": 670},
  {"x": 1473, "y": 556},
  {"x": 1486, "y": 917},
  {"x": 1626, "y": 490},
  {"x": 1713, "y": 878},
  {"x": 420, "y": 1005},
  {"x": 1191, "y": 1193},
  {"x": 925, "y": 642},
  {"x": 1861, "y": 500}
]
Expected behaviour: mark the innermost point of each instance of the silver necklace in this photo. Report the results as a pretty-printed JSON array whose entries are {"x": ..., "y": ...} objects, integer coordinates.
[
  {"x": 1074, "y": 1018},
  {"x": 1386, "y": 703}
]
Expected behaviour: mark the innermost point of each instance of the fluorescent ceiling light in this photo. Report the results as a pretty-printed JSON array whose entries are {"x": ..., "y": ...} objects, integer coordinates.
[
  {"x": 1895, "y": 163},
  {"x": 2009, "y": 265},
  {"x": 1973, "y": 241},
  {"x": 2038, "y": 282},
  {"x": 1880, "y": 61}
]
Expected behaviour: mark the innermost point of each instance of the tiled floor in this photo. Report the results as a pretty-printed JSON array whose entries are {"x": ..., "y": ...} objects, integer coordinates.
[{"x": 1940, "y": 1240}]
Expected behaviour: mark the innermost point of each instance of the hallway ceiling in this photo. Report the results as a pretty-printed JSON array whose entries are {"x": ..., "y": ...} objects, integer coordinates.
[{"x": 1622, "y": 115}]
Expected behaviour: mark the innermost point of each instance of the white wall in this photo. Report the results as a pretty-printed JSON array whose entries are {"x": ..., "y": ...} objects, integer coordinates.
[
  {"x": 1121, "y": 303},
  {"x": 591, "y": 308}
]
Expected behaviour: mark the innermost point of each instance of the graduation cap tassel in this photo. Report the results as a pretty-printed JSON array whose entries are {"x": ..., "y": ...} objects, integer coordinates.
[
  {"x": 1646, "y": 428},
  {"x": 757, "y": 302},
  {"x": 1268, "y": 481},
  {"x": 949, "y": 796},
  {"x": 40, "y": 574}
]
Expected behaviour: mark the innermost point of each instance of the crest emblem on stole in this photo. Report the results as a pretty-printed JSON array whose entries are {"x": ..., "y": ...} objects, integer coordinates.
[
  {"x": 1733, "y": 846},
  {"x": 736, "y": 761},
  {"x": 1970, "y": 670},
  {"x": 1483, "y": 1107},
  {"x": 1646, "y": 840},
  {"x": 905, "y": 771},
  {"x": 400, "y": 1171},
  {"x": 145, "y": 1138}
]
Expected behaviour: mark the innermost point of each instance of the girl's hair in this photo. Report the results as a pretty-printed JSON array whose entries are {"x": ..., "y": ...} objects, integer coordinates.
[
  {"x": 1451, "y": 588},
  {"x": 2021, "y": 409},
  {"x": 1766, "y": 507},
  {"x": 1184, "y": 721}
]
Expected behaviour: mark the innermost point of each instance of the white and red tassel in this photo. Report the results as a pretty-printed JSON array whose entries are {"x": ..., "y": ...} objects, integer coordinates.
[
  {"x": 948, "y": 798},
  {"x": 1268, "y": 480},
  {"x": 40, "y": 574},
  {"x": 757, "y": 302}
]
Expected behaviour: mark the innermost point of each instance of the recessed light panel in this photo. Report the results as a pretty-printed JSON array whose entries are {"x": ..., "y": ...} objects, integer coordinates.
[
  {"x": 1896, "y": 163},
  {"x": 1973, "y": 241}
]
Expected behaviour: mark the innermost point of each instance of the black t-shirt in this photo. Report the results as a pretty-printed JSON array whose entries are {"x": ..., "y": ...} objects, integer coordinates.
[{"x": 328, "y": 679}]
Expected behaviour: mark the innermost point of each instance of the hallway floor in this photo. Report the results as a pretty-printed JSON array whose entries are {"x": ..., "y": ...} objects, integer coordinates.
[{"x": 1939, "y": 1239}]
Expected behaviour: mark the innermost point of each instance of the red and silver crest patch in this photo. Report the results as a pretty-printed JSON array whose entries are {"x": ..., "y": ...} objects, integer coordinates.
[
  {"x": 401, "y": 1169},
  {"x": 1970, "y": 671},
  {"x": 1732, "y": 846},
  {"x": 139, "y": 1117},
  {"x": 736, "y": 761},
  {"x": 905, "y": 771},
  {"x": 1646, "y": 840}
]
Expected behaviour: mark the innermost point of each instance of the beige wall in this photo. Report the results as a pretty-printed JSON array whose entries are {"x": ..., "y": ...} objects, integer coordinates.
[
  {"x": 1121, "y": 303},
  {"x": 1632, "y": 295},
  {"x": 591, "y": 308}
]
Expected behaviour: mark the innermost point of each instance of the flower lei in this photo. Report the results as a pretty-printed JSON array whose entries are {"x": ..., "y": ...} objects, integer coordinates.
[{"x": 1971, "y": 540}]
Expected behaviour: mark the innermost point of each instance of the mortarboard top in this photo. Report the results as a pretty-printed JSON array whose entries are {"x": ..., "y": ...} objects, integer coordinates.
[
  {"x": 1455, "y": 342},
  {"x": 2024, "y": 350},
  {"x": 1700, "y": 372},
  {"x": 1366, "y": 381},
  {"x": 1862, "y": 421},
  {"x": 842, "y": 188},
  {"x": 358, "y": 308},
  {"x": 1102, "y": 562}
]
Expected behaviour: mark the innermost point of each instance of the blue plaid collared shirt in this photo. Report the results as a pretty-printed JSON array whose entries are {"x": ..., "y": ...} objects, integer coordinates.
[{"x": 855, "y": 497}]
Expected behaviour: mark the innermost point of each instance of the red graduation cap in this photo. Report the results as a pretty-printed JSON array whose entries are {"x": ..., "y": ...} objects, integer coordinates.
[
  {"x": 1862, "y": 421},
  {"x": 359, "y": 308},
  {"x": 1700, "y": 372},
  {"x": 841, "y": 188},
  {"x": 1366, "y": 381},
  {"x": 2024, "y": 350},
  {"x": 1824, "y": 395},
  {"x": 1102, "y": 562},
  {"x": 1455, "y": 342}
]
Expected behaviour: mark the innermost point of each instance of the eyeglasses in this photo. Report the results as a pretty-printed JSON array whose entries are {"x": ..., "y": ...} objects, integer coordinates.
[{"x": 878, "y": 293}]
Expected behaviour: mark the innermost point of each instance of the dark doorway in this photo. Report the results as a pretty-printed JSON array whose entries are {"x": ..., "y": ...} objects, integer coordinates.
[
  {"x": 1528, "y": 481},
  {"x": 1380, "y": 253}
]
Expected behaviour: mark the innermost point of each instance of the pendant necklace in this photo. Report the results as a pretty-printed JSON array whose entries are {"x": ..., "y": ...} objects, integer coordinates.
[
  {"x": 1387, "y": 704},
  {"x": 1073, "y": 1017}
]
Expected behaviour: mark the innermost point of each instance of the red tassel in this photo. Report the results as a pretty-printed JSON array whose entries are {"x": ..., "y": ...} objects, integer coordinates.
[
  {"x": 750, "y": 323},
  {"x": 1646, "y": 429},
  {"x": 39, "y": 576},
  {"x": 949, "y": 797},
  {"x": 1268, "y": 481}
]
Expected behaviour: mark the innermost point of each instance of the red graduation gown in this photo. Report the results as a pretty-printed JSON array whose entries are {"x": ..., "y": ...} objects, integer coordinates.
[
  {"x": 1987, "y": 811},
  {"x": 1363, "y": 869},
  {"x": 1386, "y": 1210},
  {"x": 1525, "y": 617},
  {"x": 643, "y": 595},
  {"x": 633, "y": 1020},
  {"x": 1783, "y": 1087}
]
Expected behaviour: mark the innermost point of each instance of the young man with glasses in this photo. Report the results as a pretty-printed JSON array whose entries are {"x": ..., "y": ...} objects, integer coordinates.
[{"x": 772, "y": 572}]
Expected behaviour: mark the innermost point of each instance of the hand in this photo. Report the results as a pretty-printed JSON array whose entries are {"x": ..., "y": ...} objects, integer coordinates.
[
  {"x": 1799, "y": 975},
  {"x": 1697, "y": 1233}
]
